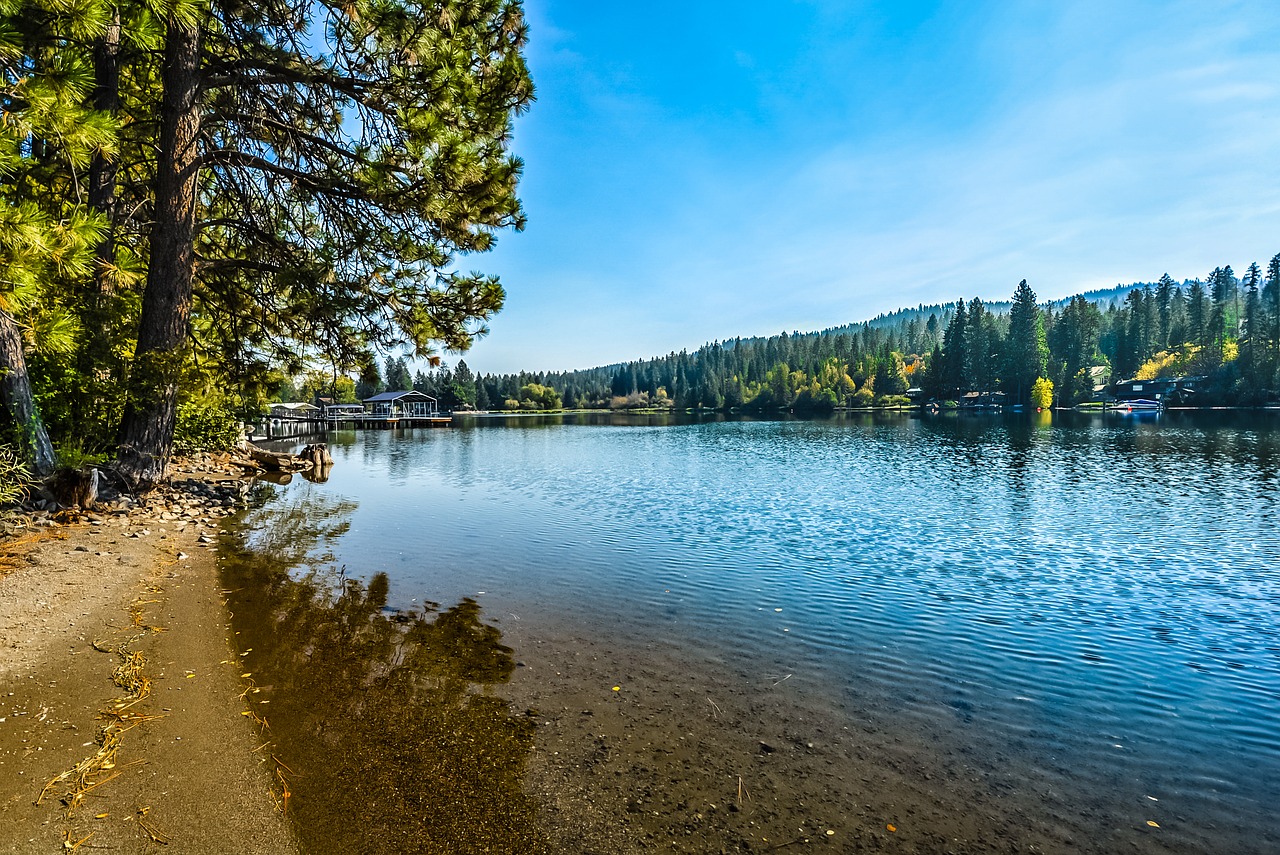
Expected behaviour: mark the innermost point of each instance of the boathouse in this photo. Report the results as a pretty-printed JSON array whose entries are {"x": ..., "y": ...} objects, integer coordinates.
[
  {"x": 343, "y": 411},
  {"x": 294, "y": 411},
  {"x": 401, "y": 405}
]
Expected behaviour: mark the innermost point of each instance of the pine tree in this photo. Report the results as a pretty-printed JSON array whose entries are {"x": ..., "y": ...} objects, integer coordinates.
[
  {"x": 332, "y": 160},
  {"x": 1074, "y": 345},
  {"x": 1271, "y": 297},
  {"x": 955, "y": 347},
  {"x": 1164, "y": 310},
  {"x": 1197, "y": 314},
  {"x": 1250, "y": 351},
  {"x": 1026, "y": 347},
  {"x": 50, "y": 133}
]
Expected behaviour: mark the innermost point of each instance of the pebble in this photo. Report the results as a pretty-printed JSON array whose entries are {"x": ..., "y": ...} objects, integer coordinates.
[{"x": 180, "y": 502}]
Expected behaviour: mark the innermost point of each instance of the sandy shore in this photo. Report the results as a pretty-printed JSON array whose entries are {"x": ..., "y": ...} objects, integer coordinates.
[{"x": 79, "y": 601}]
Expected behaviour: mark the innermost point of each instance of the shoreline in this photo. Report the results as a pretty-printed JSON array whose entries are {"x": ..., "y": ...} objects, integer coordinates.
[
  {"x": 118, "y": 671},
  {"x": 691, "y": 752}
]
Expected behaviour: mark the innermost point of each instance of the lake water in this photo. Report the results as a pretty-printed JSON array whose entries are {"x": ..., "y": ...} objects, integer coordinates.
[{"x": 1095, "y": 600}]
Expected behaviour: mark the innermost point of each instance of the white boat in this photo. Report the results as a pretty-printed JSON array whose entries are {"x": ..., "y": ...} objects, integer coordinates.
[{"x": 1137, "y": 405}]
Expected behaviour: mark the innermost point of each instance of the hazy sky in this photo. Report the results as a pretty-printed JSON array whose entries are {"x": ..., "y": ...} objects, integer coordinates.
[{"x": 700, "y": 170}]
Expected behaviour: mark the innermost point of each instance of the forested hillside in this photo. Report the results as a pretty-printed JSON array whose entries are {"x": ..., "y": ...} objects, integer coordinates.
[{"x": 1226, "y": 328}]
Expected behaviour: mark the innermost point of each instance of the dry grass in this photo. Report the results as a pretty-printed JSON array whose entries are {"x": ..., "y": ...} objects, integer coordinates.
[
  {"x": 13, "y": 550},
  {"x": 100, "y": 767},
  {"x": 282, "y": 803},
  {"x": 149, "y": 829}
]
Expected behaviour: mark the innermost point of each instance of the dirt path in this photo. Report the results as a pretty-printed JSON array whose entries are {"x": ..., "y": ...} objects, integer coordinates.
[{"x": 132, "y": 599}]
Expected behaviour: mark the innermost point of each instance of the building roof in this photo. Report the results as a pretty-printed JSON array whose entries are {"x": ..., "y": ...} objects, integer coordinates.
[
  {"x": 385, "y": 397},
  {"x": 294, "y": 406}
]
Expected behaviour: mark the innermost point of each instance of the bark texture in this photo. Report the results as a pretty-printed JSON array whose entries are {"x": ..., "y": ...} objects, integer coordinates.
[
  {"x": 18, "y": 402},
  {"x": 146, "y": 432}
]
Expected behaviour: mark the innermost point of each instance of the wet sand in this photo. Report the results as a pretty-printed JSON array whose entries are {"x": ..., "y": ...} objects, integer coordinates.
[{"x": 72, "y": 600}]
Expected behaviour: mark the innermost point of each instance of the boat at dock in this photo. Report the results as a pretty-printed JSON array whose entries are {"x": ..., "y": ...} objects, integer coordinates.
[{"x": 1137, "y": 405}]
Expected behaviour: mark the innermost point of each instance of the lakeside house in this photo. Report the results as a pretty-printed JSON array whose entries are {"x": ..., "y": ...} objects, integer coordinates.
[
  {"x": 1176, "y": 391},
  {"x": 982, "y": 400},
  {"x": 407, "y": 404}
]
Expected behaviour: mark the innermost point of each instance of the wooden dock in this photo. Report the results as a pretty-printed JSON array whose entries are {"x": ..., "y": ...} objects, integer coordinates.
[
  {"x": 280, "y": 427},
  {"x": 370, "y": 421}
]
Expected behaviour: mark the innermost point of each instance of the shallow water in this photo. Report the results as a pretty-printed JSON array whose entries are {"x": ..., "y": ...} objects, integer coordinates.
[{"x": 1095, "y": 594}]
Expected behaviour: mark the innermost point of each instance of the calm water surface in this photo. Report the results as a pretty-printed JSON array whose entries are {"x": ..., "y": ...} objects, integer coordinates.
[{"x": 1099, "y": 592}]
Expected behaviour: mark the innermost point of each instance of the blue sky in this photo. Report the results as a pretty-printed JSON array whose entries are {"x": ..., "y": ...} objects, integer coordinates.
[{"x": 700, "y": 170}]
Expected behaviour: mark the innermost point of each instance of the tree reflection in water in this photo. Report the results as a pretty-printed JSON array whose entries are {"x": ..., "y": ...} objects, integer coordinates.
[{"x": 390, "y": 736}]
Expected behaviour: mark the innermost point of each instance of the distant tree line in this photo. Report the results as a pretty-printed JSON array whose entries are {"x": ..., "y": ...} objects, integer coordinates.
[{"x": 1225, "y": 329}]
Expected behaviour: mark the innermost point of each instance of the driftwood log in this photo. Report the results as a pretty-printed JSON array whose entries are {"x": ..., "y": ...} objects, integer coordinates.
[
  {"x": 272, "y": 460},
  {"x": 312, "y": 457}
]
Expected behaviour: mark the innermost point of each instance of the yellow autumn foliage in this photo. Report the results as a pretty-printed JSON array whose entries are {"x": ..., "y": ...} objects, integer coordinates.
[
  {"x": 1042, "y": 393},
  {"x": 1175, "y": 363}
]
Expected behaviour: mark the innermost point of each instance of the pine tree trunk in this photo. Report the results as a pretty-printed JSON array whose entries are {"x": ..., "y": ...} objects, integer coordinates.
[
  {"x": 17, "y": 401},
  {"x": 146, "y": 432}
]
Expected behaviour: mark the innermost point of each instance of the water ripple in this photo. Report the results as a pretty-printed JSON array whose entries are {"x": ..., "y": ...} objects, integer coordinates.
[{"x": 1055, "y": 582}]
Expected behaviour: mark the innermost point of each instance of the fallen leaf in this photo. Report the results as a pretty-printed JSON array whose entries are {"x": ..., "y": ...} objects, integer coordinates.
[
  {"x": 617, "y": 688},
  {"x": 892, "y": 827},
  {"x": 1153, "y": 823}
]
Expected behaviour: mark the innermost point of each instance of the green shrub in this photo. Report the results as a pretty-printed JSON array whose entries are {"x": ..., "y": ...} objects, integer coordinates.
[
  {"x": 205, "y": 427},
  {"x": 72, "y": 454},
  {"x": 14, "y": 477}
]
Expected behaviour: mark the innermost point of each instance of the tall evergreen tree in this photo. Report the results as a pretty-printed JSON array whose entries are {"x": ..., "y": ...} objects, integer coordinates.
[
  {"x": 1164, "y": 310},
  {"x": 1026, "y": 348},
  {"x": 330, "y": 161},
  {"x": 954, "y": 373},
  {"x": 50, "y": 134},
  {"x": 1251, "y": 353},
  {"x": 1197, "y": 314},
  {"x": 1219, "y": 296},
  {"x": 982, "y": 346},
  {"x": 1074, "y": 345},
  {"x": 1271, "y": 297}
]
